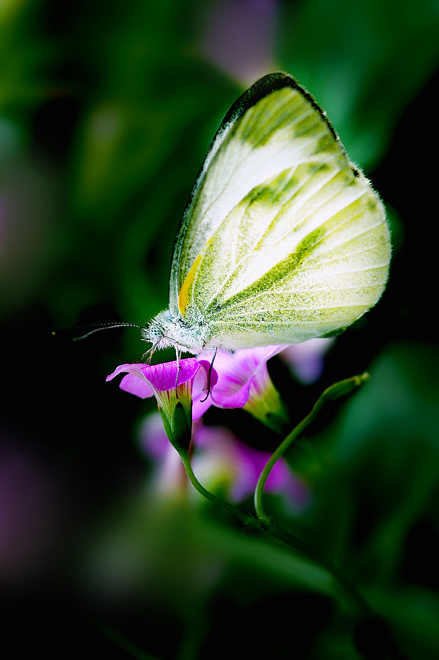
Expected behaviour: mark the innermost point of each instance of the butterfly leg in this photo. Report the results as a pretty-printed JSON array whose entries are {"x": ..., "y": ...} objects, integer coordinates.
[
  {"x": 209, "y": 375},
  {"x": 178, "y": 357}
]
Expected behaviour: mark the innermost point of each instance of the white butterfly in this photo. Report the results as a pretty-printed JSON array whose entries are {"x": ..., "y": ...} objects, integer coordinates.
[{"x": 283, "y": 238}]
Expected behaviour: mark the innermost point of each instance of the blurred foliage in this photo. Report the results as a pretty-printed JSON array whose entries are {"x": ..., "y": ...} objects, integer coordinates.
[
  {"x": 114, "y": 110},
  {"x": 380, "y": 495},
  {"x": 118, "y": 113},
  {"x": 363, "y": 61},
  {"x": 106, "y": 112}
]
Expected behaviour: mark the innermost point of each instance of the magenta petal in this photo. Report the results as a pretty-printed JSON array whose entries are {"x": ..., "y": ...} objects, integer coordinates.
[
  {"x": 136, "y": 369},
  {"x": 152, "y": 436},
  {"x": 236, "y": 400},
  {"x": 164, "y": 376},
  {"x": 231, "y": 369},
  {"x": 250, "y": 359},
  {"x": 235, "y": 369},
  {"x": 204, "y": 371},
  {"x": 202, "y": 387},
  {"x": 135, "y": 385},
  {"x": 200, "y": 404}
]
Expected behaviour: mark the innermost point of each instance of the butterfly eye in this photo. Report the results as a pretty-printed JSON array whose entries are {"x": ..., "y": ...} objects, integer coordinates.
[{"x": 153, "y": 333}]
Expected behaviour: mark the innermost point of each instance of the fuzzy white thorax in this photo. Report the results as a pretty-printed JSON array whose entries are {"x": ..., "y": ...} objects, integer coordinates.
[{"x": 167, "y": 330}]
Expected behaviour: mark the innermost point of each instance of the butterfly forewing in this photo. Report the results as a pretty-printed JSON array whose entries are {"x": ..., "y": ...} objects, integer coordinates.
[
  {"x": 283, "y": 239},
  {"x": 254, "y": 142}
]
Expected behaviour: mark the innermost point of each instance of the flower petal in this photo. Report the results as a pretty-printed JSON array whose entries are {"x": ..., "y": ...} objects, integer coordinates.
[
  {"x": 135, "y": 385},
  {"x": 200, "y": 403},
  {"x": 135, "y": 369},
  {"x": 204, "y": 385},
  {"x": 307, "y": 360},
  {"x": 164, "y": 376},
  {"x": 223, "y": 398},
  {"x": 239, "y": 373}
]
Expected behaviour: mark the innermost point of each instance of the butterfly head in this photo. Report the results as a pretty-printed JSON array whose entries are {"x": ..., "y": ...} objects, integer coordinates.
[{"x": 166, "y": 330}]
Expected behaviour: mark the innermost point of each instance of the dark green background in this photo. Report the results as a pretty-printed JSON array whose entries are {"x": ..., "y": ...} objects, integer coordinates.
[{"x": 106, "y": 111}]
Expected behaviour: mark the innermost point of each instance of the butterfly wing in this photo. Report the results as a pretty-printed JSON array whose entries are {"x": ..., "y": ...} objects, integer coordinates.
[{"x": 283, "y": 238}]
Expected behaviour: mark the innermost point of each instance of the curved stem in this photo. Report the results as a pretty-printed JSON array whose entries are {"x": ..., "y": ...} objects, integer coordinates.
[
  {"x": 336, "y": 391},
  {"x": 259, "y": 490},
  {"x": 274, "y": 530},
  {"x": 263, "y": 522},
  {"x": 270, "y": 527},
  {"x": 245, "y": 519}
]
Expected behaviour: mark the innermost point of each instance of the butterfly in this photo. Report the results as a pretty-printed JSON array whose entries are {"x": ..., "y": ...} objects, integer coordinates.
[{"x": 283, "y": 239}]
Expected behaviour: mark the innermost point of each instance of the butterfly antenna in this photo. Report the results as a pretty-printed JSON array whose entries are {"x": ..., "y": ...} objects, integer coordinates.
[{"x": 106, "y": 326}]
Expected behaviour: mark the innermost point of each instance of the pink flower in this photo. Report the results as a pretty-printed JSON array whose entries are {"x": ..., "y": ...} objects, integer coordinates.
[
  {"x": 307, "y": 360},
  {"x": 168, "y": 477},
  {"x": 239, "y": 380},
  {"x": 248, "y": 28},
  {"x": 223, "y": 462},
  {"x": 222, "y": 459},
  {"x": 244, "y": 382},
  {"x": 171, "y": 383}
]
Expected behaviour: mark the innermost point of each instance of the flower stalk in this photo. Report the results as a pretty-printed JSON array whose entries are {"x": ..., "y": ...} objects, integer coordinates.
[
  {"x": 336, "y": 391},
  {"x": 244, "y": 518},
  {"x": 267, "y": 525}
]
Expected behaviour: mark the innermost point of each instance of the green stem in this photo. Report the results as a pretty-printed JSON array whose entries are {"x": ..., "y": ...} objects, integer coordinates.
[
  {"x": 263, "y": 521},
  {"x": 274, "y": 530},
  {"x": 336, "y": 391},
  {"x": 244, "y": 518},
  {"x": 259, "y": 490}
]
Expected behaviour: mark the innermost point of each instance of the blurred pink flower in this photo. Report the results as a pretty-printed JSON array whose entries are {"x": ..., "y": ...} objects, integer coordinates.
[
  {"x": 220, "y": 456},
  {"x": 28, "y": 503},
  {"x": 222, "y": 462},
  {"x": 240, "y": 36},
  {"x": 307, "y": 360}
]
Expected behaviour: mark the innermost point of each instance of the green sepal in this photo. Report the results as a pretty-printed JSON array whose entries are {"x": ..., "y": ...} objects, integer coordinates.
[
  {"x": 269, "y": 409},
  {"x": 166, "y": 424},
  {"x": 181, "y": 428},
  {"x": 340, "y": 390}
]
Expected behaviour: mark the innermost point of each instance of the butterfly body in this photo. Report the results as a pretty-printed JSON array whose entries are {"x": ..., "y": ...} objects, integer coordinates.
[
  {"x": 283, "y": 239},
  {"x": 166, "y": 330}
]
